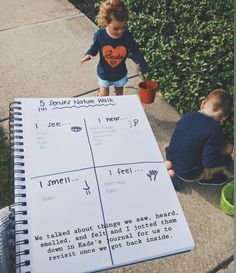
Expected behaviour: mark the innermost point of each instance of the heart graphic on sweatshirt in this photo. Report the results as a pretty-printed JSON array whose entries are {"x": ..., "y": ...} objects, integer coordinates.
[{"x": 114, "y": 56}]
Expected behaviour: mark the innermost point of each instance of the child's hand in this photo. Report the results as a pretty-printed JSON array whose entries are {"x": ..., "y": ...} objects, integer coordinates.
[
  {"x": 227, "y": 149},
  {"x": 232, "y": 154},
  {"x": 86, "y": 58},
  {"x": 169, "y": 167},
  {"x": 145, "y": 76}
]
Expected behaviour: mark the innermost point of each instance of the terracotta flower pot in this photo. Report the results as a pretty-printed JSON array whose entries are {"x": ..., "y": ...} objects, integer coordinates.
[{"x": 147, "y": 91}]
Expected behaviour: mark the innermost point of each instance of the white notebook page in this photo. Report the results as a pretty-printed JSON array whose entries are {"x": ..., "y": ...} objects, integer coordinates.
[{"x": 98, "y": 193}]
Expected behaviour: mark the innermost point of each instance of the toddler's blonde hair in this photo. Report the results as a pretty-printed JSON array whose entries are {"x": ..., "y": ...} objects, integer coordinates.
[{"x": 112, "y": 9}]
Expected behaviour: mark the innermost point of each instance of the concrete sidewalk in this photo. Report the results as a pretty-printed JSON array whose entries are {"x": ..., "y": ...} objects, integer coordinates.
[
  {"x": 40, "y": 55},
  {"x": 41, "y": 43}
]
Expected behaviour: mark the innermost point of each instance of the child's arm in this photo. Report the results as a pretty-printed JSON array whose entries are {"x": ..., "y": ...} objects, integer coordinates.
[
  {"x": 138, "y": 56},
  {"x": 92, "y": 51},
  {"x": 227, "y": 149},
  {"x": 212, "y": 156},
  {"x": 86, "y": 58}
]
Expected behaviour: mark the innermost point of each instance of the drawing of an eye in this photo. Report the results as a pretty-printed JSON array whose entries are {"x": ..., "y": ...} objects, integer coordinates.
[{"x": 76, "y": 129}]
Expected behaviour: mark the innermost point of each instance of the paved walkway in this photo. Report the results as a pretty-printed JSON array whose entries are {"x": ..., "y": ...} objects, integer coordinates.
[{"x": 41, "y": 43}]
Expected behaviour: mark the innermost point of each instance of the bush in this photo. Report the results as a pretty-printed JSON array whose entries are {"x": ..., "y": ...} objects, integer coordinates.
[
  {"x": 5, "y": 187},
  {"x": 188, "y": 46}
]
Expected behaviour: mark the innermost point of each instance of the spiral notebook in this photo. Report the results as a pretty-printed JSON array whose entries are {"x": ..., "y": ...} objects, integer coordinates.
[{"x": 91, "y": 189}]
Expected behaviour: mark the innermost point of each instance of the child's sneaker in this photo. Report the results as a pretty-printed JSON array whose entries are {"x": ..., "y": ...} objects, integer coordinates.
[
  {"x": 218, "y": 179},
  {"x": 176, "y": 182}
]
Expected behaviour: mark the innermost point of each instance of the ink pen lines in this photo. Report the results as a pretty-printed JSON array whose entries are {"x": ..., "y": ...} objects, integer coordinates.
[
  {"x": 97, "y": 167},
  {"x": 98, "y": 191}
]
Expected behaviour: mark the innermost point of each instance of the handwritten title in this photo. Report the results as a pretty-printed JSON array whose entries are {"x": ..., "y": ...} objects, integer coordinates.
[{"x": 55, "y": 104}]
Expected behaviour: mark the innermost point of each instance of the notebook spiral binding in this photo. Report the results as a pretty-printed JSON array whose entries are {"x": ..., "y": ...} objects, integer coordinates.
[{"x": 18, "y": 217}]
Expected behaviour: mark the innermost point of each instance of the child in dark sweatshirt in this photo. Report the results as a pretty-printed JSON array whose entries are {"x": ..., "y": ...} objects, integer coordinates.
[
  {"x": 113, "y": 41},
  {"x": 197, "y": 152}
]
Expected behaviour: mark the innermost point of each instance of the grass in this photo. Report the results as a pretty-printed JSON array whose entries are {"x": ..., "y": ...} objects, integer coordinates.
[{"x": 5, "y": 188}]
